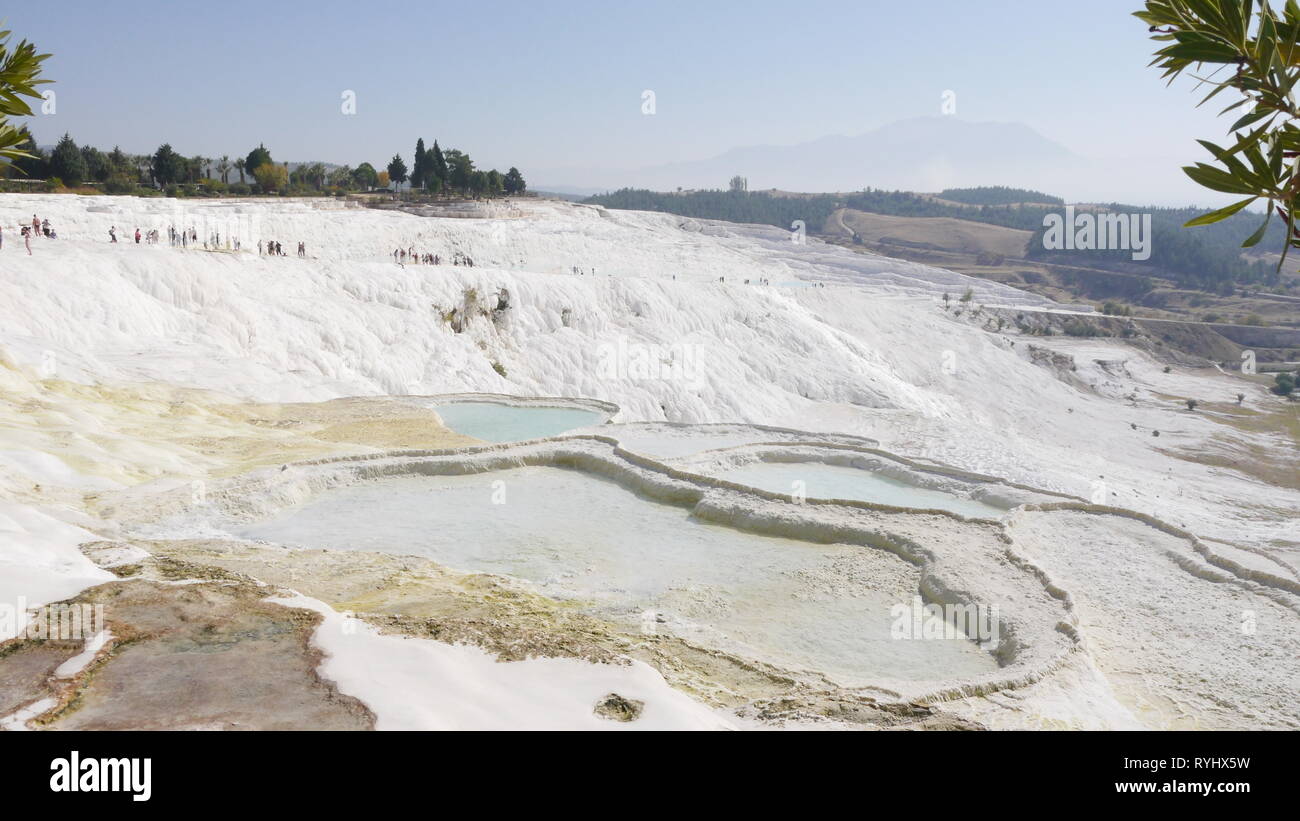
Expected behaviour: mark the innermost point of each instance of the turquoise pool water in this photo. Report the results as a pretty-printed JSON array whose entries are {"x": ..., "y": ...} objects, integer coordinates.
[
  {"x": 589, "y": 540},
  {"x": 821, "y": 481},
  {"x": 494, "y": 422}
]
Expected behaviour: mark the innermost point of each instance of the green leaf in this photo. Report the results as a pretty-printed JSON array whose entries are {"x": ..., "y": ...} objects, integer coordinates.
[
  {"x": 1221, "y": 214},
  {"x": 1253, "y": 117},
  {"x": 1254, "y": 238},
  {"x": 1202, "y": 52},
  {"x": 1218, "y": 180}
]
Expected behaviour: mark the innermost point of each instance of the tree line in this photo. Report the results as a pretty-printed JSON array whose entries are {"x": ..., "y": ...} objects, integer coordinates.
[
  {"x": 780, "y": 210},
  {"x": 997, "y": 195},
  {"x": 1206, "y": 257},
  {"x": 118, "y": 172},
  {"x": 434, "y": 172}
]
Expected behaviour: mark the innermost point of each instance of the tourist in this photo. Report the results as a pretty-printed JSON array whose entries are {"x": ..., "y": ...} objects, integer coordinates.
[
  {"x": 112, "y": 234},
  {"x": 27, "y": 239}
]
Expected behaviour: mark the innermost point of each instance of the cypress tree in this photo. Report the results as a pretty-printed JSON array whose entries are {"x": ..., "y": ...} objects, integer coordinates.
[
  {"x": 438, "y": 165},
  {"x": 420, "y": 166}
]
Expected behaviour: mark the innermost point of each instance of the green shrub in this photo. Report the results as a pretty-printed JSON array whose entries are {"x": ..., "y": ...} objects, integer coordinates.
[
  {"x": 120, "y": 185},
  {"x": 1077, "y": 327}
]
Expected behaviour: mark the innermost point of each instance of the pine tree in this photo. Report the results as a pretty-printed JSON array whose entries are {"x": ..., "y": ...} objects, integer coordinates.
[
  {"x": 257, "y": 158},
  {"x": 119, "y": 161},
  {"x": 167, "y": 166},
  {"x": 478, "y": 183},
  {"x": 97, "y": 165},
  {"x": 397, "y": 170},
  {"x": 67, "y": 164},
  {"x": 460, "y": 169},
  {"x": 514, "y": 181}
]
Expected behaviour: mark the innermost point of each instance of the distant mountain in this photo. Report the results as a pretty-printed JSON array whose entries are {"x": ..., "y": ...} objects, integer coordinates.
[{"x": 923, "y": 154}]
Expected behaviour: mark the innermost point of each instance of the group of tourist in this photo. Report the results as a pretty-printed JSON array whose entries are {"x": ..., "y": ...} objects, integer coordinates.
[
  {"x": 183, "y": 238},
  {"x": 37, "y": 228},
  {"x": 273, "y": 248},
  {"x": 403, "y": 255}
]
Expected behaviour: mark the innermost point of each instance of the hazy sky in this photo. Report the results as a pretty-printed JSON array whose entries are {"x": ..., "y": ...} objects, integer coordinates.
[{"x": 549, "y": 86}]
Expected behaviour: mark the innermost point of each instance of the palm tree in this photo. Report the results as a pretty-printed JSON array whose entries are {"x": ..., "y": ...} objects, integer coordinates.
[
  {"x": 144, "y": 163},
  {"x": 239, "y": 166},
  {"x": 316, "y": 173},
  {"x": 341, "y": 177},
  {"x": 223, "y": 168},
  {"x": 20, "y": 70}
]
